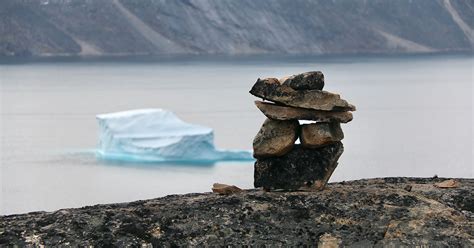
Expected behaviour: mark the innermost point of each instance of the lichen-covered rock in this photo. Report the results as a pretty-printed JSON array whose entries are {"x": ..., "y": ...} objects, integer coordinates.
[
  {"x": 280, "y": 112},
  {"x": 315, "y": 135},
  {"x": 301, "y": 167},
  {"x": 275, "y": 138},
  {"x": 312, "y": 80},
  {"x": 364, "y": 213},
  {"x": 271, "y": 89}
]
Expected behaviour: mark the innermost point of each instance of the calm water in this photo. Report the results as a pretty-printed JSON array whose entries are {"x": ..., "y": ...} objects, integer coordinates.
[{"x": 414, "y": 118}]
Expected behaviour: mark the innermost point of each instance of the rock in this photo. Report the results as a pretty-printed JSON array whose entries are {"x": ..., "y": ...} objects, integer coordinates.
[
  {"x": 328, "y": 241},
  {"x": 362, "y": 213},
  {"x": 275, "y": 138},
  {"x": 271, "y": 89},
  {"x": 280, "y": 112},
  {"x": 224, "y": 189},
  {"x": 451, "y": 183},
  {"x": 313, "y": 80},
  {"x": 315, "y": 135},
  {"x": 301, "y": 167},
  {"x": 408, "y": 188}
]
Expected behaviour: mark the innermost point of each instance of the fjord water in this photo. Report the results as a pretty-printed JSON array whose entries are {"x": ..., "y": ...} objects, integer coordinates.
[{"x": 414, "y": 118}]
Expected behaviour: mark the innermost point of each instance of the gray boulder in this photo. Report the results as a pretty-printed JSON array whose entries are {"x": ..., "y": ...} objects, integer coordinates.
[
  {"x": 275, "y": 138},
  {"x": 319, "y": 134},
  {"x": 313, "y": 80},
  {"x": 300, "y": 168},
  {"x": 280, "y": 112},
  {"x": 271, "y": 89}
]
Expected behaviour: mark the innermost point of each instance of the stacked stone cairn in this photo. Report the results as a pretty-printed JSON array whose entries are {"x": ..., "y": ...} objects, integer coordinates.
[{"x": 282, "y": 164}]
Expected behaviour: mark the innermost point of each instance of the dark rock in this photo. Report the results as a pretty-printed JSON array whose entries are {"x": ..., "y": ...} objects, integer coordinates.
[
  {"x": 301, "y": 167},
  {"x": 408, "y": 188},
  {"x": 271, "y": 89},
  {"x": 315, "y": 135},
  {"x": 275, "y": 138},
  {"x": 280, "y": 112},
  {"x": 364, "y": 213},
  {"x": 313, "y": 80}
]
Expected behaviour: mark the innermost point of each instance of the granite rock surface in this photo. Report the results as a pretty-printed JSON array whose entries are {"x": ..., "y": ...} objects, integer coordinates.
[{"x": 380, "y": 212}]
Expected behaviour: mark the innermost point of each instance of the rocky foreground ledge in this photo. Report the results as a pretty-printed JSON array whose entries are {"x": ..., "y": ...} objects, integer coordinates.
[{"x": 375, "y": 212}]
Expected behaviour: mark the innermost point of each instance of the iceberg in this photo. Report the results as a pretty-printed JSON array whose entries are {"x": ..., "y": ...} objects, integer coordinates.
[{"x": 158, "y": 135}]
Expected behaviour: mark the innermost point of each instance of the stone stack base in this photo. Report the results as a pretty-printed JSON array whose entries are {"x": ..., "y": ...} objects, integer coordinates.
[{"x": 300, "y": 169}]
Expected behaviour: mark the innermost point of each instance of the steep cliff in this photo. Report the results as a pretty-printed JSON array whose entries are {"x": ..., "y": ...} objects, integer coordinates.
[{"x": 128, "y": 27}]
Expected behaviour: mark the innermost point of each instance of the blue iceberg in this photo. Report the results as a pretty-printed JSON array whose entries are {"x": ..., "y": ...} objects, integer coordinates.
[{"x": 157, "y": 135}]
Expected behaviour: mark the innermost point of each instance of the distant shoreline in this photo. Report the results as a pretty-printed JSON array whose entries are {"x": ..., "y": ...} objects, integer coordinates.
[
  {"x": 371, "y": 212},
  {"x": 172, "y": 58},
  {"x": 127, "y": 27}
]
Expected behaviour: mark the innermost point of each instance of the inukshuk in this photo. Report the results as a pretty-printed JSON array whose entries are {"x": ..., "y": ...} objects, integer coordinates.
[{"x": 282, "y": 164}]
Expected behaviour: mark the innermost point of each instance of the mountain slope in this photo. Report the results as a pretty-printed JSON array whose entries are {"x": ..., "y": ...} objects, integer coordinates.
[{"x": 129, "y": 27}]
